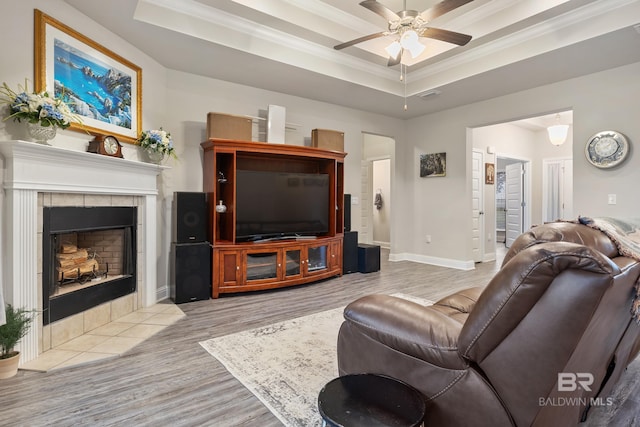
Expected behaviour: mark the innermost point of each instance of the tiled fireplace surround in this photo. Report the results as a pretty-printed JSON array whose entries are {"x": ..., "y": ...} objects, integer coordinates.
[{"x": 37, "y": 175}]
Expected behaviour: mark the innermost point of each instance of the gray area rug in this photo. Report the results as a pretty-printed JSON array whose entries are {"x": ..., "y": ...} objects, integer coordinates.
[{"x": 286, "y": 364}]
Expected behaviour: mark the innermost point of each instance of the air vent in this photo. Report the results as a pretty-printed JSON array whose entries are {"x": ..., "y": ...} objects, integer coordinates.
[{"x": 429, "y": 93}]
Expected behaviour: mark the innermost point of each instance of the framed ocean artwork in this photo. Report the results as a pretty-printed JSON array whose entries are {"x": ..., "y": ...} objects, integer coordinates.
[{"x": 100, "y": 86}]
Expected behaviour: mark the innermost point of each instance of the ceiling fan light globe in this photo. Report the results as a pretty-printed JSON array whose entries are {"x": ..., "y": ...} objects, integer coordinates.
[
  {"x": 394, "y": 49},
  {"x": 409, "y": 38},
  {"x": 416, "y": 50}
]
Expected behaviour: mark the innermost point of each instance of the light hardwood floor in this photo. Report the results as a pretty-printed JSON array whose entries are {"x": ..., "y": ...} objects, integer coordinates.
[{"x": 171, "y": 380}]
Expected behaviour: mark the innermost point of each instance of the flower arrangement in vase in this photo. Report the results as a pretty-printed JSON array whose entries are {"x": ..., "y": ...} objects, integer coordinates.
[
  {"x": 157, "y": 144},
  {"x": 43, "y": 113}
]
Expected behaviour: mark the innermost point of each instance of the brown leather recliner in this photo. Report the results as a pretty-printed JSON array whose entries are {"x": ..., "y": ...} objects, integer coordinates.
[{"x": 548, "y": 337}]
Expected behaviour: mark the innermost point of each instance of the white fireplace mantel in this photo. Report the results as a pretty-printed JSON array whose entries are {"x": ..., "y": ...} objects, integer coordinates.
[{"x": 30, "y": 168}]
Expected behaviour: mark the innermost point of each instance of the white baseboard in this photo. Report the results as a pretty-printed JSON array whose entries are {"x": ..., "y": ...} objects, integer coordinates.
[
  {"x": 441, "y": 262},
  {"x": 385, "y": 245},
  {"x": 491, "y": 256}
]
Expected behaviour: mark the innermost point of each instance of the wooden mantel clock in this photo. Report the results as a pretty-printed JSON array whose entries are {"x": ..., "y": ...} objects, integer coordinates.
[{"x": 107, "y": 145}]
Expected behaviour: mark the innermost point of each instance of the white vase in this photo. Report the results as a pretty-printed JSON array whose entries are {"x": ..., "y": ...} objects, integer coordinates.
[
  {"x": 155, "y": 157},
  {"x": 220, "y": 207},
  {"x": 41, "y": 134}
]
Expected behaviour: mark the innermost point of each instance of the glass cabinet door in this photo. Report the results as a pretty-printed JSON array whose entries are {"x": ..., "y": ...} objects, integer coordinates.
[
  {"x": 316, "y": 258},
  {"x": 262, "y": 265},
  {"x": 292, "y": 259}
]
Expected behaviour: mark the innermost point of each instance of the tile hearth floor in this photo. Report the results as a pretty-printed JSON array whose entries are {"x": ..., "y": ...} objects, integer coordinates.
[{"x": 107, "y": 341}]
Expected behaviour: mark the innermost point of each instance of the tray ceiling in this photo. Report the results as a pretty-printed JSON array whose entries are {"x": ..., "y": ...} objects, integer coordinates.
[{"x": 287, "y": 46}]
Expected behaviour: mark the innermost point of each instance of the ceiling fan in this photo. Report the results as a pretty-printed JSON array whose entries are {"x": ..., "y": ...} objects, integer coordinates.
[{"x": 408, "y": 26}]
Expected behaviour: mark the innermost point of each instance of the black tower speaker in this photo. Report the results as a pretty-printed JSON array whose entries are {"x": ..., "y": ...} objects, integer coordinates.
[
  {"x": 189, "y": 217},
  {"x": 191, "y": 272},
  {"x": 347, "y": 212},
  {"x": 350, "y": 252}
]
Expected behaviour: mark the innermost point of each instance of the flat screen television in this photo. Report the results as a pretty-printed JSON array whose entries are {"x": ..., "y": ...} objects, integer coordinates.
[{"x": 271, "y": 205}]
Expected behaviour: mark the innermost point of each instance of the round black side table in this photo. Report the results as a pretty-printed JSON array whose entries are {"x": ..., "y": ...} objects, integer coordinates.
[{"x": 372, "y": 401}]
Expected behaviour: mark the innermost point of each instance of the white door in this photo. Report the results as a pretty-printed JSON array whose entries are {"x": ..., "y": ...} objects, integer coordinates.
[
  {"x": 477, "y": 201},
  {"x": 557, "y": 189},
  {"x": 514, "y": 202}
]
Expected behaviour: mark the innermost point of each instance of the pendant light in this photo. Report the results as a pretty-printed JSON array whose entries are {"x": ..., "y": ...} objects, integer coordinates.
[{"x": 558, "y": 132}]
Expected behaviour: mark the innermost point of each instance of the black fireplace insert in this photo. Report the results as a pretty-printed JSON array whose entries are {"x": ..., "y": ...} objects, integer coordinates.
[{"x": 88, "y": 258}]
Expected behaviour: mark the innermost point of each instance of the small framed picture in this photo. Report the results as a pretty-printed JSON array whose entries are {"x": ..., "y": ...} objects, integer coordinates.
[
  {"x": 489, "y": 173},
  {"x": 433, "y": 165}
]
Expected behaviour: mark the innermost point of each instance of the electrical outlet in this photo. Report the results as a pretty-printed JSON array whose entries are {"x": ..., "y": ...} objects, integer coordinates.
[
  {"x": 428, "y": 238},
  {"x": 611, "y": 199}
]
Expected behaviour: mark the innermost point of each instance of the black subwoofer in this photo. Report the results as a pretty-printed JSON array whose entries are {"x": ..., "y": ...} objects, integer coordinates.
[
  {"x": 368, "y": 258},
  {"x": 189, "y": 217},
  {"x": 191, "y": 272}
]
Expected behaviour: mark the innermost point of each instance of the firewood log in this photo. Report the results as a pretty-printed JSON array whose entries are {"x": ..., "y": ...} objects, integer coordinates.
[
  {"x": 73, "y": 273},
  {"x": 78, "y": 257},
  {"x": 68, "y": 248}
]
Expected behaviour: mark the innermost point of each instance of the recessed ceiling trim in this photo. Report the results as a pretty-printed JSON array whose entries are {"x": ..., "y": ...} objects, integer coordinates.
[
  {"x": 476, "y": 61},
  {"x": 321, "y": 11},
  {"x": 262, "y": 41}
]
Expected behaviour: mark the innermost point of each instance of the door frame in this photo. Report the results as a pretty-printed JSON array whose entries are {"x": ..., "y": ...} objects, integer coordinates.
[
  {"x": 527, "y": 196},
  {"x": 481, "y": 206},
  {"x": 365, "y": 210},
  {"x": 567, "y": 193}
]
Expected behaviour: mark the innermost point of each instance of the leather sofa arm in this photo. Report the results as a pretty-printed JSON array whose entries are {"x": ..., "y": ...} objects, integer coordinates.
[{"x": 408, "y": 327}]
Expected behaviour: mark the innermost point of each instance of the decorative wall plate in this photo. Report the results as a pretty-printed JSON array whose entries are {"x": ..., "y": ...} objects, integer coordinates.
[{"x": 606, "y": 149}]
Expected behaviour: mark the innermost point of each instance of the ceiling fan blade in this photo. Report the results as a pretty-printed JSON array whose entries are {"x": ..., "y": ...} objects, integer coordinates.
[
  {"x": 360, "y": 40},
  {"x": 446, "y": 36},
  {"x": 395, "y": 60},
  {"x": 442, "y": 8},
  {"x": 380, "y": 9}
]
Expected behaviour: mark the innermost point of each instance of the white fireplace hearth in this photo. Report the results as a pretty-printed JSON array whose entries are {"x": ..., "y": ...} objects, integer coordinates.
[{"x": 36, "y": 175}]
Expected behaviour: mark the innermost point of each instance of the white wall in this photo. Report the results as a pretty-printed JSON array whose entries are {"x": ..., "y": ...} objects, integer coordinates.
[
  {"x": 17, "y": 50},
  {"x": 192, "y": 97},
  {"x": 18, "y": 35},
  {"x": 512, "y": 141},
  {"x": 442, "y": 207},
  {"x": 179, "y": 102}
]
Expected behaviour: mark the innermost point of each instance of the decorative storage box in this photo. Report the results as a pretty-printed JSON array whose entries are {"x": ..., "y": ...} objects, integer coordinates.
[
  {"x": 227, "y": 126},
  {"x": 327, "y": 139}
]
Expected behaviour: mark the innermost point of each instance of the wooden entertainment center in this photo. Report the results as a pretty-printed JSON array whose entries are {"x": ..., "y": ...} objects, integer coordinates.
[{"x": 251, "y": 266}]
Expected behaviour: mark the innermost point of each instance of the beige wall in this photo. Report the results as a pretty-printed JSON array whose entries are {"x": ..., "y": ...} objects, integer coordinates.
[
  {"x": 600, "y": 101},
  {"x": 511, "y": 141},
  {"x": 437, "y": 206}
]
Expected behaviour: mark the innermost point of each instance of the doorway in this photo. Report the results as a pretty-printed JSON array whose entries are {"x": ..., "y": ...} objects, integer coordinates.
[
  {"x": 557, "y": 189},
  {"x": 376, "y": 191},
  {"x": 517, "y": 200},
  {"x": 524, "y": 142}
]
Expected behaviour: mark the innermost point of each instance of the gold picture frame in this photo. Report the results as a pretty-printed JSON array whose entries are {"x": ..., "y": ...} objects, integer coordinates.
[
  {"x": 100, "y": 86},
  {"x": 489, "y": 173}
]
